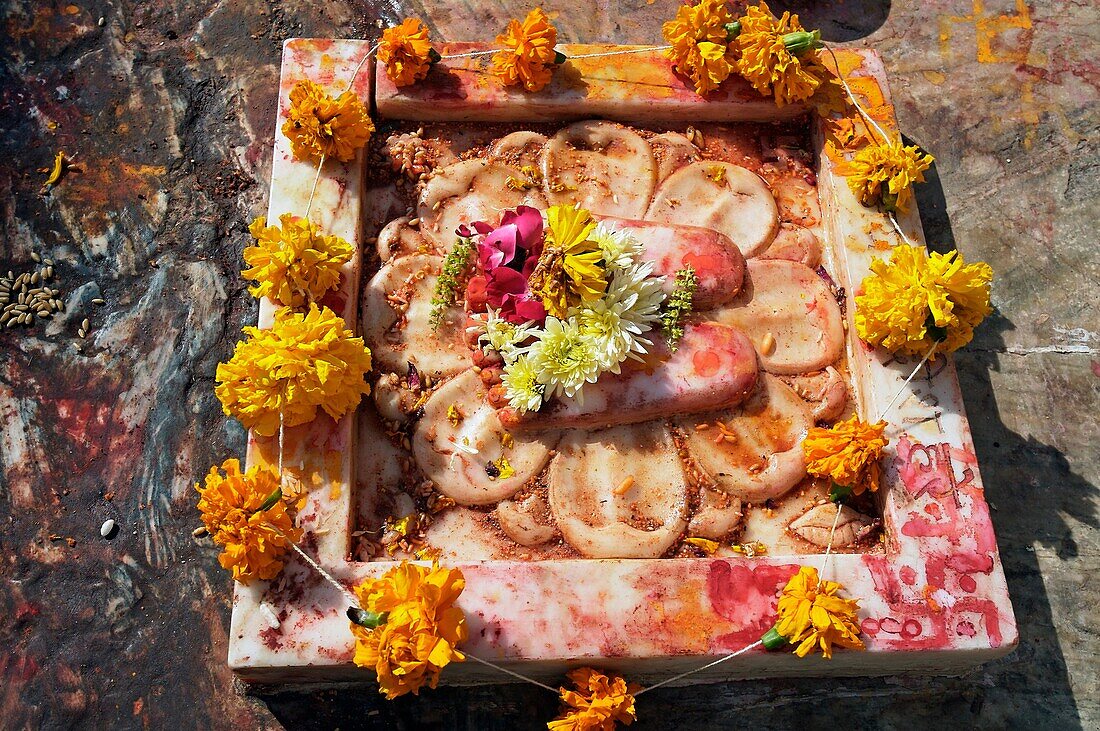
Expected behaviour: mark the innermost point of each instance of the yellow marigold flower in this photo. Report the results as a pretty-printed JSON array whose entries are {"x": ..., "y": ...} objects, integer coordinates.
[
  {"x": 304, "y": 362},
  {"x": 597, "y": 704},
  {"x": 421, "y": 627},
  {"x": 293, "y": 264},
  {"x": 884, "y": 174},
  {"x": 569, "y": 228},
  {"x": 700, "y": 43},
  {"x": 812, "y": 616},
  {"x": 406, "y": 51},
  {"x": 769, "y": 64},
  {"x": 919, "y": 299},
  {"x": 528, "y": 56},
  {"x": 245, "y": 514},
  {"x": 847, "y": 453},
  {"x": 319, "y": 125}
]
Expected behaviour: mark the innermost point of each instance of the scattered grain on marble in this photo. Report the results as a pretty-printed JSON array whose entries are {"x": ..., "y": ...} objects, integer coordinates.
[
  {"x": 35, "y": 257},
  {"x": 85, "y": 324},
  {"x": 107, "y": 528},
  {"x": 198, "y": 532},
  {"x": 99, "y": 301}
]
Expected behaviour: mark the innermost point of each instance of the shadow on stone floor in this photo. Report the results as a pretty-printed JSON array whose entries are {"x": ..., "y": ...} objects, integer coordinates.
[{"x": 838, "y": 21}]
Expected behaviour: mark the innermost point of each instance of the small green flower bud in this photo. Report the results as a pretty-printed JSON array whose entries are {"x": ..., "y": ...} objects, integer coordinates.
[{"x": 801, "y": 41}]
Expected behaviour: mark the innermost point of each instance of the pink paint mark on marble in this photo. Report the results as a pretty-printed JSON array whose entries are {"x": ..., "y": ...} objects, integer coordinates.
[
  {"x": 908, "y": 575},
  {"x": 968, "y": 584},
  {"x": 966, "y": 629},
  {"x": 746, "y": 596}
]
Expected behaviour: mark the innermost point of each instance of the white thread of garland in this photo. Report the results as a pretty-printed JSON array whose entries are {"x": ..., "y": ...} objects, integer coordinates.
[
  {"x": 602, "y": 54},
  {"x": 709, "y": 665}
]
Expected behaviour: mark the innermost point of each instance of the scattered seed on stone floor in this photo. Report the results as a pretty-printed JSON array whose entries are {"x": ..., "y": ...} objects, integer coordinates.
[{"x": 107, "y": 528}]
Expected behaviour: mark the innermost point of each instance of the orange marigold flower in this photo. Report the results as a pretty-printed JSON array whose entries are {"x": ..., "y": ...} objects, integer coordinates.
[
  {"x": 293, "y": 264},
  {"x": 319, "y": 125},
  {"x": 304, "y": 362},
  {"x": 812, "y": 616},
  {"x": 406, "y": 51},
  {"x": 847, "y": 453},
  {"x": 528, "y": 56},
  {"x": 597, "y": 704},
  {"x": 245, "y": 513},
  {"x": 884, "y": 174},
  {"x": 700, "y": 43},
  {"x": 766, "y": 58},
  {"x": 919, "y": 300},
  {"x": 420, "y": 630}
]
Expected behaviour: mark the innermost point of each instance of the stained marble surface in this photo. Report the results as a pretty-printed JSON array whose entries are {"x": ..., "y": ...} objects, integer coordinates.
[{"x": 168, "y": 107}]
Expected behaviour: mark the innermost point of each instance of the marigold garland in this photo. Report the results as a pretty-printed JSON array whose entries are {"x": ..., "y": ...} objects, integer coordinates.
[
  {"x": 847, "y": 453},
  {"x": 317, "y": 124},
  {"x": 598, "y": 703},
  {"x": 420, "y": 626},
  {"x": 246, "y": 515},
  {"x": 699, "y": 40},
  {"x": 406, "y": 51},
  {"x": 776, "y": 56},
  {"x": 295, "y": 263},
  {"x": 883, "y": 174},
  {"x": 812, "y": 617},
  {"x": 304, "y": 362},
  {"x": 919, "y": 300},
  {"x": 528, "y": 56}
]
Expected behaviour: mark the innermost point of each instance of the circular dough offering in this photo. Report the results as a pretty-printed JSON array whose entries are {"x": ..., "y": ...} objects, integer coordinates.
[
  {"x": 761, "y": 457},
  {"x": 527, "y": 521},
  {"x": 397, "y": 307},
  {"x": 672, "y": 151},
  {"x": 468, "y": 191},
  {"x": 454, "y": 449},
  {"x": 606, "y": 168},
  {"x": 518, "y": 149},
  {"x": 790, "y": 303},
  {"x": 398, "y": 238},
  {"x": 717, "y": 195},
  {"x": 619, "y": 493}
]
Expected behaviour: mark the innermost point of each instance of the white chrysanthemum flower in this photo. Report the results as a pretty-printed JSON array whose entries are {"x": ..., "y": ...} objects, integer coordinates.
[
  {"x": 564, "y": 358},
  {"x": 505, "y": 337},
  {"x": 618, "y": 322},
  {"x": 619, "y": 248},
  {"x": 521, "y": 385}
]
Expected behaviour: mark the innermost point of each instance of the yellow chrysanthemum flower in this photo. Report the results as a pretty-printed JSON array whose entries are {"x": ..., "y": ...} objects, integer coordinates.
[
  {"x": 293, "y": 264},
  {"x": 919, "y": 299},
  {"x": 406, "y": 51},
  {"x": 847, "y": 453},
  {"x": 245, "y": 514},
  {"x": 304, "y": 362},
  {"x": 767, "y": 61},
  {"x": 421, "y": 627},
  {"x": 528, "y": 56},
  {"x": 598, "y": 703},
  {"x": 569, "y": 229},
  {"x": 812, "y": 616},
  {"x": 318, "y": 124},
  {"x": 700, "y": 43},
  {"x": 884, "y": 174}
]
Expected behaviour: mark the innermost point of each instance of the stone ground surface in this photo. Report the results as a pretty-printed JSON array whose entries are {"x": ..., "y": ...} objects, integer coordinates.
[{"x": 169, "y": 106}]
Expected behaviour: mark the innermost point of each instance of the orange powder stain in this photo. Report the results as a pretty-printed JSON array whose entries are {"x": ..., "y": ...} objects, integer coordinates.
[{"x": 706, "y": 363}]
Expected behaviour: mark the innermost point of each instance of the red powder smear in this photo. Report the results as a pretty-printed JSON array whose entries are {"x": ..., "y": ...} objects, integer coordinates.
[
  {"x": 968, "y": 584},
  {"x": 271, "y": 638},
  {"x": 704, "y": 262},
  {"x": 706, "y": 363},
  {"x": 966, "y": 629},
  {"x": 908, "y": 575},
  {"x": 746, "y": 596}
]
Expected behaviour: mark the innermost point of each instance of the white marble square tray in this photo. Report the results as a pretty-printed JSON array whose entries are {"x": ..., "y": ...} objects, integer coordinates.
[{"x": 935, "y": 601}]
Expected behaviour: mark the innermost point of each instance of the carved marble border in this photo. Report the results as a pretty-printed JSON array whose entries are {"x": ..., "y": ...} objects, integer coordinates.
[{"x": 936, "y": 602}]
